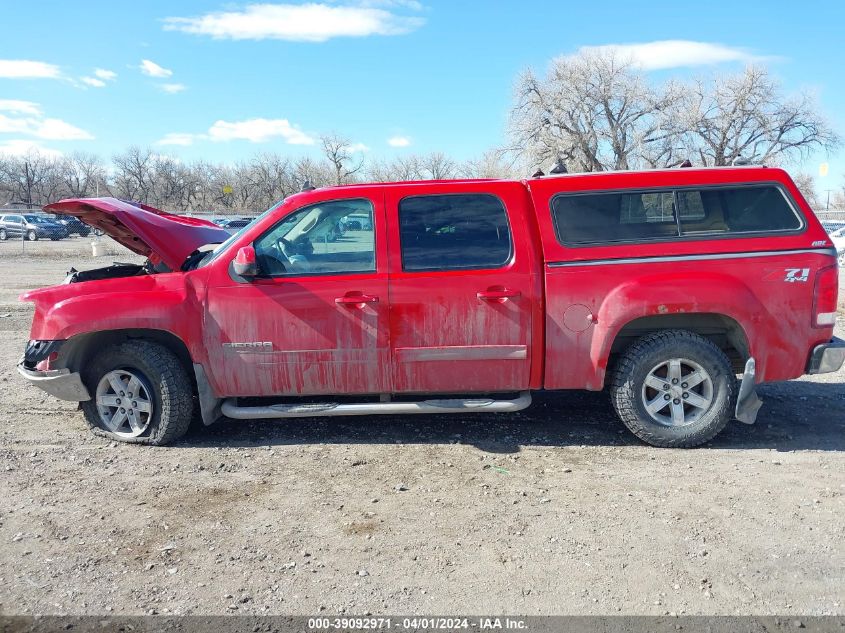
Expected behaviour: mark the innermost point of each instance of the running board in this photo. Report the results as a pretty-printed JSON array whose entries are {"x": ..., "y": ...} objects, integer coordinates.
[{"x": 456, "y": 405}]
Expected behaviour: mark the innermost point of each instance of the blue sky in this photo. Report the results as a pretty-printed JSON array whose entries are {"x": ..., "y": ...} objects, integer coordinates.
[{"x": 223, "y": 80}]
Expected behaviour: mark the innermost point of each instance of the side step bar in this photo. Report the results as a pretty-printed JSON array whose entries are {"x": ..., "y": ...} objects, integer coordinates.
[{"x": 456, "y": 405}]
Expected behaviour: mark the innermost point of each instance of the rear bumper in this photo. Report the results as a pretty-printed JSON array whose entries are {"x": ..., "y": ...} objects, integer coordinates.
[
  {"x": 827, "y": 357},
  {"x": 59, "y": 383}
]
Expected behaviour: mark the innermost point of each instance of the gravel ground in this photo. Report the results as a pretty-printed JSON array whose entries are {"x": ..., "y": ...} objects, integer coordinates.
[{"x": 554, "y": 510}]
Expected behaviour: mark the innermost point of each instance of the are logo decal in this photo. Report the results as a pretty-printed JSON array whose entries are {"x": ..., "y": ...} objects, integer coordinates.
[{"x": 797, "y": 274}]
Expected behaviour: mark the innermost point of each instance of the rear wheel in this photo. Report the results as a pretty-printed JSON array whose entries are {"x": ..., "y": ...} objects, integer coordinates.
[
  {"x": 140, "y": 393},
  {"x": 674, "y": 388},
  {"x": 31, "y": 236}
]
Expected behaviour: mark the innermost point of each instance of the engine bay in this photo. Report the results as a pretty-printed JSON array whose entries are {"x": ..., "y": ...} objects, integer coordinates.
[{"x": 117, "y": 269}]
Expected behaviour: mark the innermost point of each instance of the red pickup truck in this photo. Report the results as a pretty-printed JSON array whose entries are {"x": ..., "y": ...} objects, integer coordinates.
[{"x": 450, "y": 297}]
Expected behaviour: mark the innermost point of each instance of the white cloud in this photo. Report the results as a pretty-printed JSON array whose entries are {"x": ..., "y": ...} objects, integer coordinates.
[
  {"x": 93, "y": 82},
  {"x": 177, "y": 138},
  {"x": 28, "y": 69},
  {"x": 399, "y": 141},
  {"x": 58, "y": 130},
  {"x": 311, "y": 22},
  {"x": 154, "y": 70},
  {"x": 34, "y": 124},
  {"x": 21, "y": 147},
  {"x": 172, "y": 88},
  {"x": 358, "y": 147},
  {"x": 664, "y": 54},
  {"x": 252, "y": 130},
  {"x": 105, "y": 75},
  {"x": 20, "y": 107},
  {"x": 258, "y": 131}
]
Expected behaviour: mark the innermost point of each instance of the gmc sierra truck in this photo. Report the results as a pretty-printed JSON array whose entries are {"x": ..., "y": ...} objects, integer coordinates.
[{"x": 678, "y": 291}]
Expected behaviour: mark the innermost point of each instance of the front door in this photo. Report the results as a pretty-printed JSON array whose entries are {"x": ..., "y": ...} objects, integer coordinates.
[
  {"x": 315, "y": 320},
  {"x": 461, "y": 289}
]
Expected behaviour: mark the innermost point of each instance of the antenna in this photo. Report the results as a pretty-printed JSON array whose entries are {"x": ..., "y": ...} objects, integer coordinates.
[{"x": 307, "y": 186}]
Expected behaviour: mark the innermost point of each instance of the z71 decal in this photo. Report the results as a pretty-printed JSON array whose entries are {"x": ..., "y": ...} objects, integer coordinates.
[{"x": 797, "y": 274}]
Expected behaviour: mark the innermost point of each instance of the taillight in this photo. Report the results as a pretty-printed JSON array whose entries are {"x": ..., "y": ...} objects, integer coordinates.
[{"x": 825, "y": 296}]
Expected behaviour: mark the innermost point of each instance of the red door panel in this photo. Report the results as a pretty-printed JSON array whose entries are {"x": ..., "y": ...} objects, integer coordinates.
[
  {"x": 462, "y": 330},
  {"x": 295, "y": 334}
]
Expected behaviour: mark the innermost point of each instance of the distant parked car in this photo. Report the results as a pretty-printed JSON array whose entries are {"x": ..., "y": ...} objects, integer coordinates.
[
  {"x": 838, "y": 239},
  {"x": 30, "y": 226},
  {"x": 73, "y": 225},
  {"x": 233, "y": 225}
]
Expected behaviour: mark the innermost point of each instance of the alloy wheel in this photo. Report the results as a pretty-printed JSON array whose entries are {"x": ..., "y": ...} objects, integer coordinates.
[
  {"x": 677, "y": 392},
  {"x": 124, "y": 402}
]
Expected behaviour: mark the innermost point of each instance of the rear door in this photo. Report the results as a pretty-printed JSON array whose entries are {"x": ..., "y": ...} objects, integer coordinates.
[{"x": 462, "y": 293}]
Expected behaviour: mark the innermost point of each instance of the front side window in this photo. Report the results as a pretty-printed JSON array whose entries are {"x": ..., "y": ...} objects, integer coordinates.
[
  {"x": 453, "y": 232},
  {"x": 319, "y": 240}
]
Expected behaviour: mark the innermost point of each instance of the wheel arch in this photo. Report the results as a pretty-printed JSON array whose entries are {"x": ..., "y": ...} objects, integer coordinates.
[
  {"x": 724, "y": 331},
  {"x": 80, "y": 349}
]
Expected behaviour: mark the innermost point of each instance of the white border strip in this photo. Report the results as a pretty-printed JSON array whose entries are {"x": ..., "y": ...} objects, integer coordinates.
[{"x": 659, "y": 259}]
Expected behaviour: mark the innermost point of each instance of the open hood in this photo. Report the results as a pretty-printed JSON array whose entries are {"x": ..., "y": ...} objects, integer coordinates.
[{"x": 142, "y": 229}]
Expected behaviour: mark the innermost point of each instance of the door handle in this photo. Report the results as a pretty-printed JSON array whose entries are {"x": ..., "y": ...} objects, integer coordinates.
[
  {"x": 355, "y": 300},
  {"x": 499, "y": 295}
]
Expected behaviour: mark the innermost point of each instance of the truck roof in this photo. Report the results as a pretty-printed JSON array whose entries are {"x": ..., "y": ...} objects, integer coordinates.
[{"x": 754, "y": 173}]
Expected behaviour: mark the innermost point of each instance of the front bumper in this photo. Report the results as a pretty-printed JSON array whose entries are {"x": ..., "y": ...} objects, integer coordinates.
[
  {"x": 59, "y": 383},
  {"x": 827, "y": 357}
]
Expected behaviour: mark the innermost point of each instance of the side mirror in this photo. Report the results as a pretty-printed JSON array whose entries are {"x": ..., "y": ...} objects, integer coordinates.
[{"x": 244, "y": 263}]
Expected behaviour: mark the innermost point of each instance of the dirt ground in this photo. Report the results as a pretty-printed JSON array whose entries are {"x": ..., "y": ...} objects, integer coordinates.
[{"x": 554, "y": 510}]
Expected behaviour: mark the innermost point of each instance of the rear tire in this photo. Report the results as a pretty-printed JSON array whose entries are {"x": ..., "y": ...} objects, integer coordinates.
[
  {"x": 674, "y": 388},
  {"x": 158, "y": 403}
]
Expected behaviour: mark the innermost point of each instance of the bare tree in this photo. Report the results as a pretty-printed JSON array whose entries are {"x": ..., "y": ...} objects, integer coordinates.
[
  {"x": 133, "y": 173},
  {"x": 82, "y": 175},
  {"x": 491, "y": 164},
  {"x": 747, "y": 116},
  {"x": 596, "y": 111},
  {"x": 806, "y": 184},
  {"x": 437, "y": 166},
  {"x": 339, "y": 152}
]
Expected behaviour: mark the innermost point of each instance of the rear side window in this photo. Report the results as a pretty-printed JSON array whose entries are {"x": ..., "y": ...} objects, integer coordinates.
[
  {"x": 614, "y": 217},
  {"x": 659, "y": 215},
  {"x": 740, "y": 210},
  {"x": 449, "y": 232}
]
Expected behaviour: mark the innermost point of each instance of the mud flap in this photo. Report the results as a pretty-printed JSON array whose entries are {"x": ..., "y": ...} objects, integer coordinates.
[
  {"x": 748, "y": 403},
  {"x": 209, "y": 402}
]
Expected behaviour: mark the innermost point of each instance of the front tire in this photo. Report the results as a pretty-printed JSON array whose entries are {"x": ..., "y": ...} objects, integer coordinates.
[
  {"x": 674, "y": 388},
  {"x": 140, "y": 393},
  {"x": 3, "y": 235},
  {"x": 31, "y": 236}
]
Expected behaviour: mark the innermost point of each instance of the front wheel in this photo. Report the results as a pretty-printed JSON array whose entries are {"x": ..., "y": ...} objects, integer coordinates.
[
  {"x": 31, "y": 236},
  {"x": 3, "y": 235},
  {"x": 140, "y": 393},
  {"x": 674, "y": 388}
]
